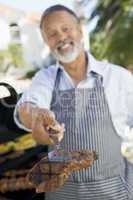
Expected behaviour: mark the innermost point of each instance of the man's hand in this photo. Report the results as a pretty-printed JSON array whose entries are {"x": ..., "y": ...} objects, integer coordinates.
[
  {"x": 43, "y": 124},
  {"x": 127, "y": 151},
  {"x": 127, "y": 145}
]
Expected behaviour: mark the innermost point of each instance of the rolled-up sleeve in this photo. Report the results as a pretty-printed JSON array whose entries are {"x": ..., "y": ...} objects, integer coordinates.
[{"x": 39, "y": 93}]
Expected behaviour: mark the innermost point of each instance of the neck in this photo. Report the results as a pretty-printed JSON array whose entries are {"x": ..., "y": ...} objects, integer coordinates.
[{"x": 77, "y": 68}]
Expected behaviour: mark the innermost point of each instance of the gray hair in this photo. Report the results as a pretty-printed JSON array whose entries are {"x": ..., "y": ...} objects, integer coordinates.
[{"x": 55, "y": 8}]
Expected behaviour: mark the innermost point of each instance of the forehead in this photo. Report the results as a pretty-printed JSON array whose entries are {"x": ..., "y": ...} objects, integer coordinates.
[{"x": 58, "y": 17}]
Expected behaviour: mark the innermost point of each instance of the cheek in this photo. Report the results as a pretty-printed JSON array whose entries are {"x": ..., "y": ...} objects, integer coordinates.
[
  {"x": 51, "y": 44},
  {"x": 77, "y": 36}
]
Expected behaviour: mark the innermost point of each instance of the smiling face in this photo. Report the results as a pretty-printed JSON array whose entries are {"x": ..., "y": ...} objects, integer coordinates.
[{"x": 63, "y": 35}]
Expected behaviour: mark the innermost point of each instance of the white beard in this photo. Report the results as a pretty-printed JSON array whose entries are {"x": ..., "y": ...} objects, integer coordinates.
[{"x": 71, "y": 55}]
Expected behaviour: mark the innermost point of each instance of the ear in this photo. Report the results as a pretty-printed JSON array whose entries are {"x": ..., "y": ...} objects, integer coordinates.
[{"x": 80, "y": 27}]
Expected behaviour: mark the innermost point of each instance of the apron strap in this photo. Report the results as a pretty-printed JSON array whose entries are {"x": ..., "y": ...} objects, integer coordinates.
[
  {"x": 57, "y": 80},
  {"x": 98, "y": 77}
]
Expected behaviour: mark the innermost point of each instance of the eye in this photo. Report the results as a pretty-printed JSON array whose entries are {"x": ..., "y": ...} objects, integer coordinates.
[
  {"x": 52, "y": 35},
  {"x": 67, "y": 29}
]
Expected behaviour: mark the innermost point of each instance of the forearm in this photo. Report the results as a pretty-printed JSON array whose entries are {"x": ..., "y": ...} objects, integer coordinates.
[
  {"x": 27, "y": 113},
  {"x": 34, "y": 118}
]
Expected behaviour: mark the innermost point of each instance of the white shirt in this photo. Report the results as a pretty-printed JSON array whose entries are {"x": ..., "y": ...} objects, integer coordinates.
[{"x": 117, "y": 82}]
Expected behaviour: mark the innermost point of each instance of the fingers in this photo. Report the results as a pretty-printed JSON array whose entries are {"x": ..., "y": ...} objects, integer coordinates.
[
  {"x": 56, "y": 132},
  {"x": 127, "y": 151},
  {"x": 59, "y": 128},
  {"x": 48, "y": 117},
  {"x": 40, "y": 134},
  {"x": 45, "y": 128}
]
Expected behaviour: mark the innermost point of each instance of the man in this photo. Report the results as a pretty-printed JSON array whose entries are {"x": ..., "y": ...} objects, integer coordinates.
[{"x": 94, "y": 101}]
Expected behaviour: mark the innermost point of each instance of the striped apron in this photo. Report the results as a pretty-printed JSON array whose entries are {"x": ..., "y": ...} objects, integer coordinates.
[{"x": 88, "y": 124}]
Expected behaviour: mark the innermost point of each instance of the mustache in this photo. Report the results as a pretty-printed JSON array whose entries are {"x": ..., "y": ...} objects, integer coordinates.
[{"x": 62, "y": 43}]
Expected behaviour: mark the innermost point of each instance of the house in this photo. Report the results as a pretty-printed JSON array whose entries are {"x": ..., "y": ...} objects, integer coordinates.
[{"x": 18, "y": 27}]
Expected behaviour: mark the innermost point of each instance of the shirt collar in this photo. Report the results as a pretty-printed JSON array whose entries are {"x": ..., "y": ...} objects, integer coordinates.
[{"x": 94, "y": 65}]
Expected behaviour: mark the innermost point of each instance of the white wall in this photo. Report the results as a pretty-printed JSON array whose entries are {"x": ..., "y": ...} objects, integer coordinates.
[
  {"x": 32, "y": 43},
  {"x": 4, "y": 34}
]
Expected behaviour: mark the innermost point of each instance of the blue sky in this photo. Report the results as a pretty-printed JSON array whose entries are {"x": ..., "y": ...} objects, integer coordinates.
[{"x": 35, "y": 5}]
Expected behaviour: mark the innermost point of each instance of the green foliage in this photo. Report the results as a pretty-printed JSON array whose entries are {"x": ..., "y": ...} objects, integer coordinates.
[
  {"x": 11, "y": 56},
  {"x": 112, "y": 39},
  {"x": 16, "y": 54},
  {"x": 31, "y": 73}
]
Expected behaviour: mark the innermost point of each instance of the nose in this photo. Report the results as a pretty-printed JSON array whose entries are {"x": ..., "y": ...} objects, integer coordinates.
[{"x": 61, "y": 36}]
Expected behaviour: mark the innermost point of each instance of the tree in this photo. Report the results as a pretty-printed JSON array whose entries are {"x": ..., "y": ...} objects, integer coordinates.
[
  {"x": 16, "y": 53},
  {"x": 112, "y": 38},
  {"x": 11, "y": 56}
]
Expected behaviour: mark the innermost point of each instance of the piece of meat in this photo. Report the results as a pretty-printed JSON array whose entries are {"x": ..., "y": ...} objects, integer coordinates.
[
  {"x": 50, "y": 174},
  {"x": 14, "y": 184}
]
